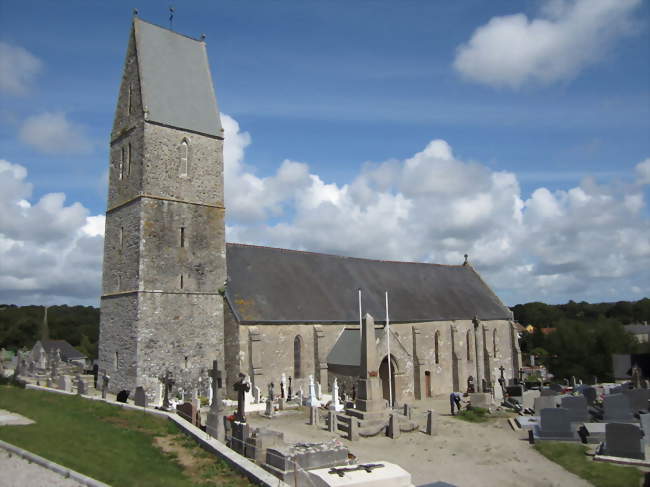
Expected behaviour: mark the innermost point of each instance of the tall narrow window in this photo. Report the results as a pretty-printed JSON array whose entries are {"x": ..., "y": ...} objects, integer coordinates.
[
  {"x": 436, "y": 349},
  {"x": 128, "y": 159},
  {"x": 184, "y": 153},
  {"x": 297, "y": 357},
  {"x": 182, "y": 236},
  {"x": 181, "y": 281},
  {"x": 121, "y": 238},
  {"x": 469, "y": 346},
  {"x": 186, "y": 362},
  {"x": 494, "y": 343},
  {"x": 119, "y": 282},
  {"x": 130, "y": 99},
  {"x": 116, "y": 362},
  {"x": 121, "y": 168}
]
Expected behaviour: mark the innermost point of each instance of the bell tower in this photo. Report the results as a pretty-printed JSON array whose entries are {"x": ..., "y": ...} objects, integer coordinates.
[{"x": 164, "y": 249}]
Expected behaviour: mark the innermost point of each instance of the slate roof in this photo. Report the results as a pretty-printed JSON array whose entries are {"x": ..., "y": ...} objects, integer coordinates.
[
  {"x": 347, "y": 349},
  {"x": 68, "y": 352},
  {"x": 175, "y": 79},
  {"x": 269, "y": 285}
]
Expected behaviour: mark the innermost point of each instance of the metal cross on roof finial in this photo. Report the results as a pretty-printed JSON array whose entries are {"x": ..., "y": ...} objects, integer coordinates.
[
  {"x": 466, "y": 256},
  {"x": 135, "y": 12},
  {"x": 171, "y": 17}
]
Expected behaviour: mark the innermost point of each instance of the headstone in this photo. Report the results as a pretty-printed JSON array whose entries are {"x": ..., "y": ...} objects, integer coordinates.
[
  {"x": 480, "y": 400},
  {"x": 259, "y": 441},
  {"x": 81, "y": 385},
  {"x": 140, "y": 398},
  {"x": 314, "y": 416},
  {"x": 122, "y": 396},
  {"x": 577, "y": 407},
  {"x": 336, "y": 402},
  {"x": 64, "y": 383},
  {"x": 574, "y": 382},
  {"x": 257, "y": 395},
  {"x": 332, "y": 421},
  {"x": 215, "y": 421},
  {"x": 312, "y": 400},
  {"x": 319, "y": 391},
  {"x": 554, "y": 424},
  {"x": 432, "y": 423},
  {"x": 283, "y": 385},
  {"x": 242, "y": 386},
  {"x": 353, "y": 429},
  {"x": 188, "y": 412},
  {"x": 281, "y": 404},
  {"x": 289, "y": 396},
  {"x": 287, "y": 461},
  {"x": 617, "y": 408},
  {"x": 638, "y": 399},
  {"x": 408, "y": 411},
  {"x": 167, "y": 383},
  {"x": 636, "y": 377},
  {"x": 105, "y": 379},
  {"x": 544, "y": 402},
  {"x": 590, "y": 395},
  {"x": 645, "y": 423},
  {"x": 393, "y": 426},
  {"x": 624, "y": 440},
  {"x": 269, "y": 411},
  {"x": 516, "y": 392}
]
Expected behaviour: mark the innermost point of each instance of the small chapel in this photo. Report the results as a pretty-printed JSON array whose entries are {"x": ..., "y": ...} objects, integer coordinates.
[{"x": 176, "y": 296}]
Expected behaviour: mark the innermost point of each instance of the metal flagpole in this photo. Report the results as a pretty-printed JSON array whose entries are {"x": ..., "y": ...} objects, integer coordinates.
[
  {"x": 360, "y": 317},
  {"x": 390, "y": 374}
]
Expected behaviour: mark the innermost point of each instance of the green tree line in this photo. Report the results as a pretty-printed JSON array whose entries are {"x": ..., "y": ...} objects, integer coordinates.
[
  {"x": 22, "y": 326},
  {"x": 585, "y": 335}
]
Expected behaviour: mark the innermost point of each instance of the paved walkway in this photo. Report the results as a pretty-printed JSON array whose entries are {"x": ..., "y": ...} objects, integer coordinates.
[
  {"x": 18, "y": 472},
  {"x": 8, "y": 418}
]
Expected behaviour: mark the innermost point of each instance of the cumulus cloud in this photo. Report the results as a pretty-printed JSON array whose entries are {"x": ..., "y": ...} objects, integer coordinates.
[
  {"x": 566, "y": 37},
  {"x": 589, "y": 242},
  {"x": 643, "y": 172},
  {"x": 18, "y": 68},
  {"x": 50, "y": 252},
  {"x": 53, "y": 133}
]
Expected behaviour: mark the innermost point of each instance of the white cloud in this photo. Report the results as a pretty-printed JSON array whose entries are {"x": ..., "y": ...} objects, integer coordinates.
[
  {"x": 643, "y": 171},
  {"x": 568, "y": 36},
  {"x": 18, "y": 68},
  {"x": 555, "y": 245},
  {"x": 49, "y": 252},
  {"x": 53, "y": 133}
]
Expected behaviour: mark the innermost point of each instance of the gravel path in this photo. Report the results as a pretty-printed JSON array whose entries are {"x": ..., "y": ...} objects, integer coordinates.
[{"x": 18, "y": 472}]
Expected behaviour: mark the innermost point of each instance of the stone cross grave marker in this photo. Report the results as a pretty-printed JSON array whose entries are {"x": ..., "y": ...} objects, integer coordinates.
[
  {"x": 289, "y": 398},
  {"x": 617, "y": 408},
  {"x": 283, "y": 382},
  {"x": 624, "y": 440},
  {"x": 215, "y": 420},
  {"x": 577, "y": 407},
  {"x": 140, "y": 398},
  {"x": 105, "y": 379},
  {"x": 242, "y": 386},
  {"x": 167, "y": 383},
  {"x": 312, "y": 400},
  {"x": 336, "y": 402}
]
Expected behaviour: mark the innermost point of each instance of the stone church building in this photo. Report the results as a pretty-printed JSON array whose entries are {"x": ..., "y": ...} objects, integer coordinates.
[{"x": 176, "y": 296}]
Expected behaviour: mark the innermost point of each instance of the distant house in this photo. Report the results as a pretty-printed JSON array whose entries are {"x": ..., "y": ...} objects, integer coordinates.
[
  {"x": 641, "y": 331},
  {"x": 547, "y": 331},
  {"x": 43, "y": 348}
]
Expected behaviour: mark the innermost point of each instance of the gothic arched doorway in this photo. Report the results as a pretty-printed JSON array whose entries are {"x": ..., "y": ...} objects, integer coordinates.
[{"x": 383, "y": 375}]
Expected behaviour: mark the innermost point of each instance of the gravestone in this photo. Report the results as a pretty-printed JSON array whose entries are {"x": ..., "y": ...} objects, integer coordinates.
[
  {"x": 140, "y": 398},
  {"x": 269, "y": 411},
  {"x": 332, "y": 421},
  {"x": 393, "y": 430},
  {"x": 167, "y": 383},
  {"x": 515, "y": 392},
  {"x": 577, "y": 407},
  {"x": 105, "y": 379},
  {"x": 314, "y": 416},
  {"x": 480, "y": 400},
  {"x": 544, "y": 402},
  {"x": 188, "y": 412},
  {"x": 617, "y": 408},
  {"x": 123, "y": 396},
  {"x": 242, "y": 386},
  {"x": 284, "y": 461},
  {"x": 215, "y": 420},
  {"x": 336, "y": 401},
  {"x": 312, "y": 400},
  {"x": 557, "y": 388},
  {"x": 257, "y": 395},
  {"x": 281, "y": 404},
  {"x": 259, "y": 441},
  {"x": 81, "y": 385},
  {"x": 353, "y": 429},
  {"x": 590, "y": 395},
  {"x": 548, "y": 392},
  {"x": 624, "y": 440},
  {"x": 638, "y": 399},
  {"x": 64, "y": 383},
  {"x": 432, "y": 423},
  {"x": 645, "y": 423},
  {"x": 554, "y": 425}
]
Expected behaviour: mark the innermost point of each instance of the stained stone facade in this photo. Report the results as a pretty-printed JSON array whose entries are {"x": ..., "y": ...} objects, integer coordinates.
[{"x": 176, "y": 296}]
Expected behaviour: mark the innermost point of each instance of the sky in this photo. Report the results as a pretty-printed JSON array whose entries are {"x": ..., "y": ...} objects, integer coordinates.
[{"x": 515, "y": 132}]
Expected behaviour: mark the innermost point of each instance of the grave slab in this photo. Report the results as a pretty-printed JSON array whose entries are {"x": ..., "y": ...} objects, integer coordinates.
[{"x": 385, "y": 475}]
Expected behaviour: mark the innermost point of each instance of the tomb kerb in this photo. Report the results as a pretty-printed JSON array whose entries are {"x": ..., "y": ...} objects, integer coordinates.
[{"x": 369, "y": 404}]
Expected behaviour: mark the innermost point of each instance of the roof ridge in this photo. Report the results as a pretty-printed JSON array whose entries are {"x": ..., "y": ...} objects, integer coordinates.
[
  {"x": 238, "y": 244},
  {"x": 168, "y": 30}
]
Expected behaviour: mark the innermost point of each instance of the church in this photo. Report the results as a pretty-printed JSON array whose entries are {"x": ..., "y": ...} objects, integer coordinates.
[{"x": 176, "y": 296}]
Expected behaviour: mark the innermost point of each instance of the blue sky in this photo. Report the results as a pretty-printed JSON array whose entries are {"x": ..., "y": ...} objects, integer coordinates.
[{"x": 346, "y": 92}]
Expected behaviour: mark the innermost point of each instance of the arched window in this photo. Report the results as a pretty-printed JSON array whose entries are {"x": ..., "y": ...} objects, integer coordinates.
[
  {"x": 297, "y": 357},
  {"x": 116, "y": 360},
  {"x": 122, "y": 161},
  {"x": 469, "y": 345},
  {"x": 437, "y": 347},
  {"x": 184, "y": 157},
  {"x": 494, "y": 343}
]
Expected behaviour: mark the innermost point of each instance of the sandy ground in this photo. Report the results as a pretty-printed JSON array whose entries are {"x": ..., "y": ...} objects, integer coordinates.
[
  {"x": 18, "y": 472},
  {"x": 462, "y": 454}
]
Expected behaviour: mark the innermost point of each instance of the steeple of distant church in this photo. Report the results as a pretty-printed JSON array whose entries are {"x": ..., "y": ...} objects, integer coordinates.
[{"x": 164, "y": 249}]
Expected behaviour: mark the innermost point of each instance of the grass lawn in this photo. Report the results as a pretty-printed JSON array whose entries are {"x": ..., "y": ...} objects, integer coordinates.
[
  {"x": 118, "y": 446},
  {"x": 572, "y": 457}
]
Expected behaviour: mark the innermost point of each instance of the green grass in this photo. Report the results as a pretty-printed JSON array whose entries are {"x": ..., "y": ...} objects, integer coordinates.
[
  {"x": 109, "y": 443},
  {"x": 572, "y": 457},
  {"x": 474, "y": 415}
]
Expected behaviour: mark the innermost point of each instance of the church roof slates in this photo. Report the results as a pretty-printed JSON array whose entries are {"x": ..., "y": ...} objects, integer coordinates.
[
  {"x": 175, "y": 80},
  {"x": 278, "y": 285}
]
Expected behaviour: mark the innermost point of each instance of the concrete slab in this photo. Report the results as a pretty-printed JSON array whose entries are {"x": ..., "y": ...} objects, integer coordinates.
[
  {"x": 7, "y": 418},
  {"x": 388, "y": 475}
]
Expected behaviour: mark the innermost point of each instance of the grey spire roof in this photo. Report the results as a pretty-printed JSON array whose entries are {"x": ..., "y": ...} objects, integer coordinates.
[
  {"x": 175, "y": 80},
  {"x": 277, "y": 285}
]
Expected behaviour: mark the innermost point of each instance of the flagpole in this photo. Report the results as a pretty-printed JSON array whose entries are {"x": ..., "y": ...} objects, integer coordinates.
[
  {"x": 360, "y": 317},
  {"x": 390, "y": 374}
]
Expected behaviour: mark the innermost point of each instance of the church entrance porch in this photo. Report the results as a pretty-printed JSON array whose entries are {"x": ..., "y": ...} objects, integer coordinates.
[{"x": 384, "y": 376}]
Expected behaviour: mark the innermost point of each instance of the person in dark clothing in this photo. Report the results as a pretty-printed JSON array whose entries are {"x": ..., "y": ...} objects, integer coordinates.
[{"x": 454, "y": 400}]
